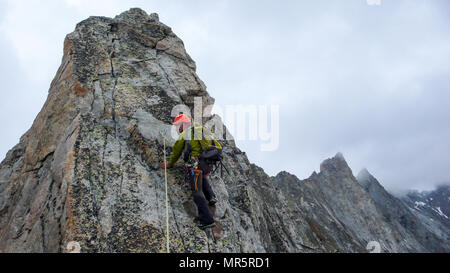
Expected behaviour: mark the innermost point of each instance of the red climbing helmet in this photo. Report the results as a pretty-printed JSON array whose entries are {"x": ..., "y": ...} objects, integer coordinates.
[
  {"x": 182, "y": 122},
  {"x": 181, "y": 118}
]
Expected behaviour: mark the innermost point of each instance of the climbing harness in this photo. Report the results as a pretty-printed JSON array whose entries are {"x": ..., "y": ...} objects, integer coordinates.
[{"x": 197, "y": 174}]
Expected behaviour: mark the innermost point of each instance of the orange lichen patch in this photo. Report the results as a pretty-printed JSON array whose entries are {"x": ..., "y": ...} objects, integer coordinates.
[
  {"x": 71, "y": 221},
  {"x": 80, "y": 91},
  {"x": 69, "y": 166},
  {"x": 67, "y": 71},
  {"x": 70, "y": 217},
  {"x": 67, "y": 46},
  {"x": 64, "y": 72}
]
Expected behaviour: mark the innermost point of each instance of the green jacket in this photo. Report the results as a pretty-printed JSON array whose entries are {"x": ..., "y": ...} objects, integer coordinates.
[{"x": 180, "y": 145}]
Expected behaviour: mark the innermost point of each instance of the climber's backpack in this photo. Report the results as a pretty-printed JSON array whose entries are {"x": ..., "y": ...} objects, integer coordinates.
[{"x": 212, "y": 156}]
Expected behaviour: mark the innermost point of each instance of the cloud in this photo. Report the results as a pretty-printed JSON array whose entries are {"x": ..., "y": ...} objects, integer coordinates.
[{"x": 369, "y": 81}]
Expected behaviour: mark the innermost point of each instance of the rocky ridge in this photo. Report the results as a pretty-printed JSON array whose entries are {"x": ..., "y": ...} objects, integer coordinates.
[{"x": 88, "y": 168}]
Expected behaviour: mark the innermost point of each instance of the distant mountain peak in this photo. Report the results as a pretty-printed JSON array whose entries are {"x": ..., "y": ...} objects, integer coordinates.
[
  {"x": 365, "y": 176},
  {"x": 336, "y": 165},
  {"x": 364, "y": 173},
  {"x": 369, "y": 182},
  {"x": 435, "y": 204},
  {"x": 340, "y": 156}
]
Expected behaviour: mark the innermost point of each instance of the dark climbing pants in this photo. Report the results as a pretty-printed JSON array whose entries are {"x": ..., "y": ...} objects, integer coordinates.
[{"x": 202, "y": 193}]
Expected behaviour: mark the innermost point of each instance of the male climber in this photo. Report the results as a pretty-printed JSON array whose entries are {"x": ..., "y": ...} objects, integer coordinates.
[{"x": 194, "y": 141}]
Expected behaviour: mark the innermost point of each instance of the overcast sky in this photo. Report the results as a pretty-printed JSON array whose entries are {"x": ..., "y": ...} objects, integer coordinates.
[{"x": 369, "y": 81}]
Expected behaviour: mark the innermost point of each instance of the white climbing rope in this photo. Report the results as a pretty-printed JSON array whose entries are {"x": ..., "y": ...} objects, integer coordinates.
[{"x": 167, "y": 199}]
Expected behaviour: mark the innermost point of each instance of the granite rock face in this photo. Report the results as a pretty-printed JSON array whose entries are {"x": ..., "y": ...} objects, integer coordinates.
[{"x": 88, "y": 170}]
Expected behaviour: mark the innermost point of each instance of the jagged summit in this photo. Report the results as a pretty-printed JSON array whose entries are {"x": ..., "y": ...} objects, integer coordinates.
[
  {"x": 340, "y": 156},
  {"x": 365, "y": 177},
  {"x": 286, "y": 180},
  {"x": 336, "y": 164},
  {"x": 88, "y": 169},
  {"x": 131, "y": 16},
  {"x": 137, "y": 14},
  {"x": 364, "y": 173}
]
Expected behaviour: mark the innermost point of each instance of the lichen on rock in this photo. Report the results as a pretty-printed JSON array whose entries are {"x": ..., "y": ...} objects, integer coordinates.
[{"x": 88, "y": 168}]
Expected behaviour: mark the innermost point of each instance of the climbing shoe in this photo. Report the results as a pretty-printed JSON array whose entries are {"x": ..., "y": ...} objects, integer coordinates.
[
  {"x": 212, "y": 202},
  {"x": 205, "y": 226}
]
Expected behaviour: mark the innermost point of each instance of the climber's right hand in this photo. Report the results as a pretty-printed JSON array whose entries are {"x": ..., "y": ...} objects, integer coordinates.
[{"x": 165, "y": 165}]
